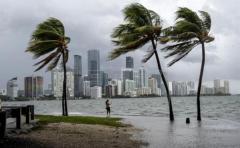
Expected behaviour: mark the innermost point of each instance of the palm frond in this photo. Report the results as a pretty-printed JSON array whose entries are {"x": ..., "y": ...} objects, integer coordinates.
[
  {"x": 184, "y": 13},
  {"x": 180, "y": 51},
  {"x": 136, "y": 14},
  {"x": 150, "y": 53},
  {"x": 48, "y": 40},
  {"x": 206, "y": 19},
  {"x": 127, "y": 48},
  {"x": 46, "y": 60},
  {"x": 54, "y": 63}
]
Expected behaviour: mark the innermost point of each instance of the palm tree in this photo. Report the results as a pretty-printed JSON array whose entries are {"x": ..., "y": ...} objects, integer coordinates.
[
  {"x": 189, "y": 31},
  {"x": 49, "y": 41},
  {"x": 141, "y": 26}
]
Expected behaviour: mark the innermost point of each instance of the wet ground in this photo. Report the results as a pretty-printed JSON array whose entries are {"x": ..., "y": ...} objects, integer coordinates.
[{"x": 161, "y": 133}]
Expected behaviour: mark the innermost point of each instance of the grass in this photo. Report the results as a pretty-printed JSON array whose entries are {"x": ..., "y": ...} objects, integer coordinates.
[{"x": 114, "y": 122}]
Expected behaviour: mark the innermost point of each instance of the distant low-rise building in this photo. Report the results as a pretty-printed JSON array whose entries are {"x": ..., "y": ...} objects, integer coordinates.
[
  {"x": 144, "y": 91},
  {"x": 3, "y": 92}
]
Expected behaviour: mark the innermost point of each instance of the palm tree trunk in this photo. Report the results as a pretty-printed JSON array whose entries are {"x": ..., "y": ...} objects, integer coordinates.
[
  {"x": 200, "y": 83},
  {"x": 64, "y": 96},
  {"x": 171, "y": 115}
]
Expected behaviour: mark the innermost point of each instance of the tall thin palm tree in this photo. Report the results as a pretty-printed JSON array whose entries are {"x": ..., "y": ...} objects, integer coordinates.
[
  {"x": 189, "y": 31},
  {"x": 49, "y": 41},
  {"x": 141, "y": 26}
]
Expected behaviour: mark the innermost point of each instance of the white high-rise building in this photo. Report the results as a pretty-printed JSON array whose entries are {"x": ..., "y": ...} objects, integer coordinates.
[
  {"x": 191, "y": 88},
  {"x": 179, "y": 88},
  {"x": 96, "y": 92},
  {"x": 221, "y": 87},
  {"x": 119, "y": 87},
  {"x": 152, "y": 83},
  {"x": 142, "y": 77},
  {"x": 118, "y": 84},
  {"x": 126, "y": 73},
  {"x": 226, "y": 87},
  {"x": 130, "y": 85},
  {"x": 57, "y": 82},
  {"x": 86, "y": 89},
  {"x": 12, "y": 88}
]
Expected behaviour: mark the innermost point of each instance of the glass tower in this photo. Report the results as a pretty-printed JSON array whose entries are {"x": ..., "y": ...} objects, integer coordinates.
[{"x": 94, "y": 67}]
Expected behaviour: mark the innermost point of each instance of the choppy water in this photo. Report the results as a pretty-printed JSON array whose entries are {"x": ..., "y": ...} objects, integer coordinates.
[{"x": 224, "y": 107}]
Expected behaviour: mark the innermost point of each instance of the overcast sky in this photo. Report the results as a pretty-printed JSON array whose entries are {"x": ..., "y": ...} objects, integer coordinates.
[{"x": 90, "y": 23}]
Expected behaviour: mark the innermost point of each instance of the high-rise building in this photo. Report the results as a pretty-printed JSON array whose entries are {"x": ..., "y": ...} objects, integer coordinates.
[
  {"x": 130, "y": 85},
  {"x": 94, "y": 67},
  {"x": 216, "y": 86},
  {"x": 86, "y": 89},
  {"x": 226, "y": 87},
  {"x": 158, "y": 78},
  {"x": 78, "y": 81},
  {"x": 12, "y": 88},
  {"x": 152, "y": 83},
  {"x": 103, "y": 80},
  {"x": 136, "y": 78},
  {"x": 118, "y": 84},
  {"x": 57, "y": 82},
  {"x": 111, "y": 90},
  {"x": 127, "y": 73},
  {"x": 179, "y": 88},
  {"x": 206, "y": 90},
  {"x": 190, "y": 88},
  {"x": 96, "y": 92},
  {"x": 142, "y": 78},
  {"x": 129, "y": 62},
  {"x": 33, "y": 86}
]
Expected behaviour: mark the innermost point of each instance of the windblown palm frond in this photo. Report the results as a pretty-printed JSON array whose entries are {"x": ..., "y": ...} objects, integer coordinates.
[
  {"x": 189, "y": 31},
  {"x": 141, "y": 26},
  {"x": 49, "y": 40}
]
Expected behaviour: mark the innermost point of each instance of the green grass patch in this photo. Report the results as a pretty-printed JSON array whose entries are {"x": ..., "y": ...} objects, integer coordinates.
[{"x": 115, "y": 122}]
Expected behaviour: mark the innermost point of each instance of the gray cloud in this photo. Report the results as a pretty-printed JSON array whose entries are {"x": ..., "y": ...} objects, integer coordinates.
[{"x": 90, "y": 23}]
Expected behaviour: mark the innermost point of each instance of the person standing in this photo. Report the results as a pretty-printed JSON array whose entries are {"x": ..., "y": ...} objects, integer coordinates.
[{"x": 108, "y": 107}]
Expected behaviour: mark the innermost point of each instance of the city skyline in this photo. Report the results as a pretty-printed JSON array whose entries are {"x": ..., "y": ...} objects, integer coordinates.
[
  {"x": 134, "y": 82},
  {"x": 222, "y": 52},
  {"x": 127, "y": 74}
]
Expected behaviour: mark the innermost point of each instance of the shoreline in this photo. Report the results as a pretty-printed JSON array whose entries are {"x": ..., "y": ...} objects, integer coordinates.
[{"x": 76, "y": 135}]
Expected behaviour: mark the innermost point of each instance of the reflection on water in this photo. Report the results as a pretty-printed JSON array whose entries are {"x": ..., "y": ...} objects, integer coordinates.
[{"x": 226, "y": 107}]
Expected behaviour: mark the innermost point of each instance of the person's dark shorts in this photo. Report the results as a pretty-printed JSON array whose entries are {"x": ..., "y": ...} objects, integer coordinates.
[{"x": 108, "y": 109}]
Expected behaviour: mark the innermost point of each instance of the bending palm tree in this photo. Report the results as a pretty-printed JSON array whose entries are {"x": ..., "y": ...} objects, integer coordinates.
[
  {"x": 49, "y": 41},
  {"x": 189, "y": 31},
  {"x": 142, "y": 26}
]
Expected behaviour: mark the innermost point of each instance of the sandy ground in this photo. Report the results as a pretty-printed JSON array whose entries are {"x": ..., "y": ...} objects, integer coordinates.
[{"x": 66, "y": 135}]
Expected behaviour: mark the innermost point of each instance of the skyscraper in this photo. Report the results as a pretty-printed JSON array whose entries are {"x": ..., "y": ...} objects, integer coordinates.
[
  {"x": 78, "y": 81},
  {"x": 226, "y": 87},
  {"x": 158, "y": 78},
  {"x": 153, "y": 84},
  {"x": 33, "y": 86},
  {"x": 127, "y": 74},
  {"x": 129, "y": 62},
  {"x": 103, "y": 80},
  {"x": 12, "y": 88},
  {"x": 142, "y": 78},
  {"x": 57, "y": 82},
  {"x": 94, "y": 67}
]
